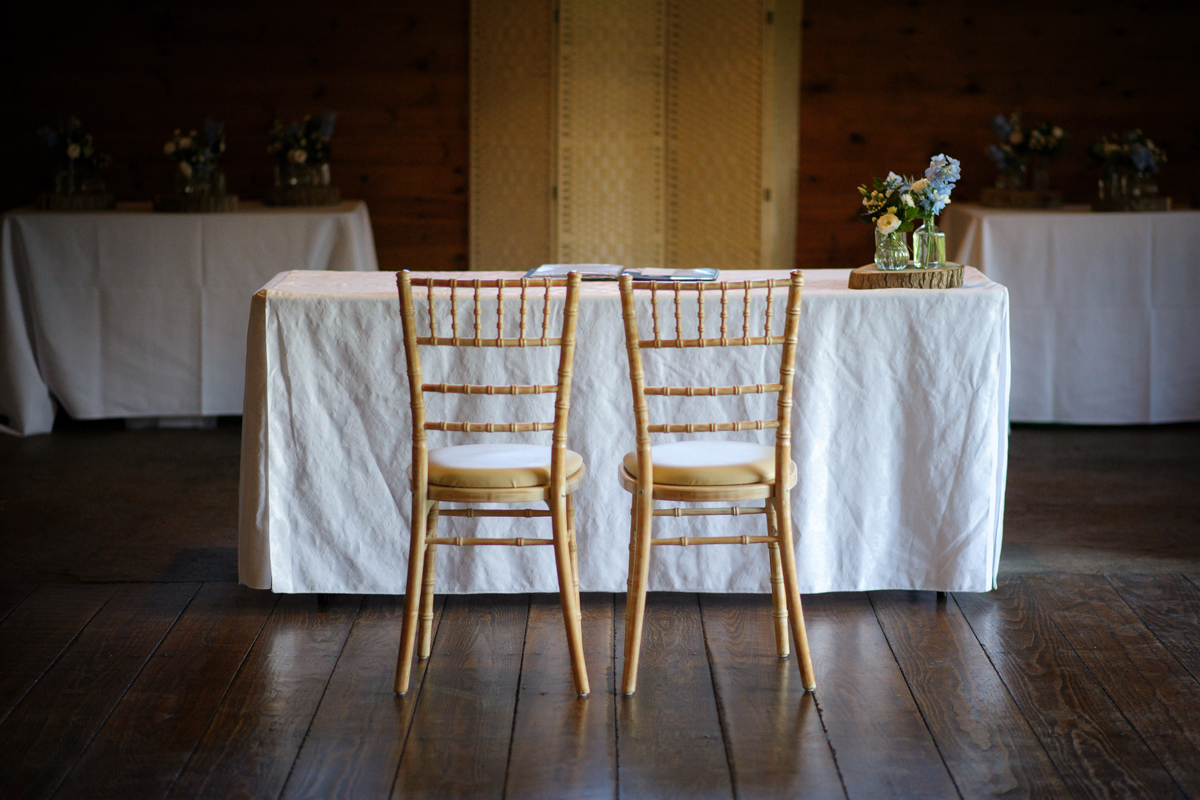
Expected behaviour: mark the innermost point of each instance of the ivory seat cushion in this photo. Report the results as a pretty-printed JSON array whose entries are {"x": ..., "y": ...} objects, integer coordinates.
[
  {"x": 495, "y": 466},
  {"x": 700, "y": 463}
]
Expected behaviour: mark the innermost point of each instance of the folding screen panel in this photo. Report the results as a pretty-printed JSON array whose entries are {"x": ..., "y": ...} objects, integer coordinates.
[{"x": 672, "y": 141}]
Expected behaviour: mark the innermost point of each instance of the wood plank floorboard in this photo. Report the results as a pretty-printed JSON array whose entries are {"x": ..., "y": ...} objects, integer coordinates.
[
  {"x": 12, "y": 595},
  {"x": 669, "y": 730},
  {"x": 153, "y": 730},
  {"x": 1091, "y": 743},
  {"x": 37, "y": 632},
  {"x": 44, "y": 735},
  {"x": 241, "y": 693},
  {"x": 461, "y": 732},
  {"x": 354, "y": 744},
  {"x": 881, "y": 744},
  {"x": 982, "y": 735},
  {"x": 1153, "y": 690},
  {"x": 1169, "y": 605},
  {"x": 771, "y": 726},
  {"x": 564, "y": 745},
  {"x": 252, "y": 740}
]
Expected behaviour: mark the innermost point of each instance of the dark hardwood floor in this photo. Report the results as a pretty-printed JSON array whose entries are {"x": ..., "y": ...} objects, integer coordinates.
[{"x": 133, "y": 666}]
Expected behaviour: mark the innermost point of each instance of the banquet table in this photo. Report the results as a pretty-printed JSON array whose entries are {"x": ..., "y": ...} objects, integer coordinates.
[
  {"x": 131, "y": 313},
  {"x": 1105, "y": 309},
  {"x": 900, "y": 437}
]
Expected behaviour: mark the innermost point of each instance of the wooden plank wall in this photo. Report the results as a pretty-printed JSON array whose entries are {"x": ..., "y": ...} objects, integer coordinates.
[
  {"x": 394, "y": 70},
  {"x": 883, "y": 87}
]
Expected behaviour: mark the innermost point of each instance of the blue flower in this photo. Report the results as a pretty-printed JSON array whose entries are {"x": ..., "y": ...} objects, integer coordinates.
[
  {"x": 1143, "y": 158},
  {"x": 327, "y": 120},
  {"x": 943, "y": 171},
  {"x": 997, "y": 155},
  {"x": 1001, "y": 127}
]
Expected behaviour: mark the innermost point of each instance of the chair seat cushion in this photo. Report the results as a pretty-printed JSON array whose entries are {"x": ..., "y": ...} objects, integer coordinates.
[
  {"x": 699, "y": 463},
  {"x": 495, "y": 466}
]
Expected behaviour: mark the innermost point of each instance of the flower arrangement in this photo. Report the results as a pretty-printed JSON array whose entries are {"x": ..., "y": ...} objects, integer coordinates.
[
  {"x": 1047, "y": 140},
  {"x": 1132, "y": 149},
  {"x": 1018, "y": 142},
  {"x": 302, "y": 143},
  {"x": 894, "y": 203},
  {"x": 71, "y": 149},
  {"x": 197, "y": 155}
]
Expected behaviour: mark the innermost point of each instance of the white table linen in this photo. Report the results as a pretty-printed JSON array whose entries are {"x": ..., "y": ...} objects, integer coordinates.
[
  {"x": 900, "y": 436},
  {"x": 1105, "y": 309},
  {"x": 130, "y": 313}
]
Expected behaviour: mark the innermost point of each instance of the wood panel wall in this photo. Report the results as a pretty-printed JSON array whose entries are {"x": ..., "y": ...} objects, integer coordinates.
[
  {"x": 133, "y": 71},
  {"x": 883, "y": 87}
]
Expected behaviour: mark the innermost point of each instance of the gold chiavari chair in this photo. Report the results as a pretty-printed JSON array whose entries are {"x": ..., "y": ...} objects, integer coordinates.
[
  {"x": 498, "y": 473},
  {"x": 713, "y": 471}
]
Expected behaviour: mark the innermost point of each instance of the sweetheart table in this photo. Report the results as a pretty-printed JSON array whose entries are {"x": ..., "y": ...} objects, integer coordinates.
[
  {"x": 900, "y": 436},
  {"x": 131, "y": 313}
]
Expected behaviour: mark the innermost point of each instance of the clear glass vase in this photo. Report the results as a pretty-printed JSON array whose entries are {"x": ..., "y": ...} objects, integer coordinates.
[
  {"x": 891, "y": 250},
  {"x": 1011, "y": 177},
  {"x": 64, "y": 181},
  {"x": 1114, "y": 187},
  {"x": 302, "y": 175},
  {"x": 1040, "y": 178},
  {"x": 929, "y": 247}
]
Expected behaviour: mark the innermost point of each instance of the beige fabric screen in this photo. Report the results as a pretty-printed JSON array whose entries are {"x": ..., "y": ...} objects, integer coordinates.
[{"x": 672, "y": 142}]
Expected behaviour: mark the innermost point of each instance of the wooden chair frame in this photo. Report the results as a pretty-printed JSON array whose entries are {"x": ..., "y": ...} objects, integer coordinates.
[
  {"x": 776, "y": 509},
  {"x": 557, "y": 494}
]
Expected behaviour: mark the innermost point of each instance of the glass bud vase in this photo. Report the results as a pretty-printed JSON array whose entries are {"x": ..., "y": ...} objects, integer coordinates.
[
  {"x": 891, "y": 250},
  {"x": 929, "y": 247}
]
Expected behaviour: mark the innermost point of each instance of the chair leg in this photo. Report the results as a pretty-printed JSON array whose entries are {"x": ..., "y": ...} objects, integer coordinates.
[
  {"x": 412, "y": 591},
  {"x": 635, "y": 601},
  {"x": 430, "y": 577},
  {"x": 571, "y": 542},
  {"x": 567, "y": 593},
  {"x": 779, "y": 611},
  {"x": 787, "y": 553}
]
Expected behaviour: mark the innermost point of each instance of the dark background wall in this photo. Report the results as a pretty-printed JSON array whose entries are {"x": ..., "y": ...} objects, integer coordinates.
[{"x": 884, "y": 86}]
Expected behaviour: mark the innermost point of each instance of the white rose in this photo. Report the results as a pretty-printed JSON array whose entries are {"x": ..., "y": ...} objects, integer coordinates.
[
  {"x": 1016, "y": 137},
  {"x": 73, "y": 151},
  {"x": 887, "y": 223},
  {"x": 169, "y": 148},
  {"x": 185, "y": 168},
  {"x": 919, "y": 186},
  {"x": 185, "y": 143},
  {"x": 1056, "y": 132},
  {"x": 298, "y": 156}
]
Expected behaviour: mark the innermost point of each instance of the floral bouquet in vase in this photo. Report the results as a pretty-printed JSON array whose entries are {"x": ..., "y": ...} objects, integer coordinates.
[
  {"x": 301, "y": 150},
  {"x": 196, "y": 157},
  {"x": 895, "y": 203},
  {"x": 76, "y": 161},
  {"x": 889, "y": 215},
  {"x": 1129, "y": 162},
  {"x": 928, "y": 197},
  {"x": 199, "y": 185}
]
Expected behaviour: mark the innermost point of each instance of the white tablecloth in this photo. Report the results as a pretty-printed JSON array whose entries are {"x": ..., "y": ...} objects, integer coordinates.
[
  {"x": 1105, "y": 309},
  {"x": 900, "y": 437},
  {"x": 130, "y": 313}
]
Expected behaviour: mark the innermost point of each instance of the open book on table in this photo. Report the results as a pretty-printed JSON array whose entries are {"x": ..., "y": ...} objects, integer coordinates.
[{"x": 610, "y": 272}]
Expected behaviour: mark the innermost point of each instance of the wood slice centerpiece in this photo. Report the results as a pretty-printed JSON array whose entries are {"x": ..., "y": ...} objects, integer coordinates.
[
  {"x": 53, "y": 201},
  {"x": 949, "y": 276},
  {"x": 195, "y": 203}
]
